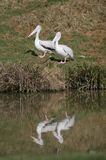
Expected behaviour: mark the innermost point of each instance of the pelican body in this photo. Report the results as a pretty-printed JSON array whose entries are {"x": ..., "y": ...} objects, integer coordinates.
[
  {"x": 42, "y": 45},
  {"x": 63, "y": 50}
]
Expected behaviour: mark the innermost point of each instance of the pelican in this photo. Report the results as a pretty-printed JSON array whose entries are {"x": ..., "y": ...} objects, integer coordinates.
[
  {"x": 40, "y": 125},
  {"x": 43, "y": 127},
  {"x": 65, "y": 124},
  {"x": 42, "y": 45},
  {"x": 62, "y": 50}
]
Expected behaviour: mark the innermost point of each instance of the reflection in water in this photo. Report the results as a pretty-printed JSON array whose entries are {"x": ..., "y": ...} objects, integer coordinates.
[
  {"x": 55, "y": 127},
  {"x": 20, "y": 113},
  {"x": 43, "y": 127},
  {"x": 64, "y": 124}
]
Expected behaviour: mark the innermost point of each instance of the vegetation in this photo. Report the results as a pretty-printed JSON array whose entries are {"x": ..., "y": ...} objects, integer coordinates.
[
  {"x": 86, "y": 76},
  {"x": 55, "y": 157},
  {"x": 27, "y": 78},
  {"x": 20, "y": 78},
  {"x": 82, "y": 24}
]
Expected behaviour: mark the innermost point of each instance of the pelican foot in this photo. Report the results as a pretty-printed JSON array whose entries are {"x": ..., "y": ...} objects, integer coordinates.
[
  {"x": 62, "y": 62},
  {"x": 42, "y": 56}
]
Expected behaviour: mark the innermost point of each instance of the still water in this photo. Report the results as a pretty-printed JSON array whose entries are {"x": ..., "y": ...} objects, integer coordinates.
[{"x": 21, "y": 113}]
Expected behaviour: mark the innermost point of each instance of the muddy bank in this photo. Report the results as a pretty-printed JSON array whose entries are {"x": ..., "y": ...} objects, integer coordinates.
[{"x": 26, "y": 78}]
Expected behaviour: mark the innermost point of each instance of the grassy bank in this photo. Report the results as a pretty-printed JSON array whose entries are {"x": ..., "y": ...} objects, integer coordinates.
[
  {"x": 51, "y": 77},
  {"x": 83, "y": 29}
]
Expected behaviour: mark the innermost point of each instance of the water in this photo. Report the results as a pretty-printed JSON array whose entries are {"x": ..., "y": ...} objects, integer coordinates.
[{"x": 20, "y": 114}]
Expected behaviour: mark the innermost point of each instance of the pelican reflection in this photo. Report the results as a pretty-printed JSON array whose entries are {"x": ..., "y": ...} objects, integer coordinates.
[{"x": 55, "y": 127}]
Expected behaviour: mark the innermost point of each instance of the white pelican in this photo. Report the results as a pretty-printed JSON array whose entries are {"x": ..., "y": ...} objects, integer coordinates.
[
  {"x": 62, "y": 50},
  {"x": 65, "y": 124},
  {"x": 40, "y": 125},
  {"x": 41, "y": 45},
  {"x": 43, "y": 127}
]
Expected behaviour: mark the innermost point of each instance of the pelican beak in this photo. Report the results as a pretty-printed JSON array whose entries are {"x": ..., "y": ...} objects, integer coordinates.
[
  {"x": 46, "y": 117},
  {"x": 32, "y": 33},
  {"x": 66, "y": 114}
]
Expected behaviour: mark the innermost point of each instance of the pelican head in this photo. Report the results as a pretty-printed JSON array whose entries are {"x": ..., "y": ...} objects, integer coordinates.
[
  {"x": 58, "y": 136},
  {"x": 58, "y": 36},
  {"x": 37, "y": 29},
  {"x": 60, "y": 139},
  {"x": 38, "y": 141}
]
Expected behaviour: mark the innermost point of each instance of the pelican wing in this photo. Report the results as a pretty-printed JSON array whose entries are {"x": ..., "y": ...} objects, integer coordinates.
[
  {"x": 68, "y": 50},
  {"x": 40, "y": 126},
  {"x": 47, "y": 45},
  {"x": 50, "y": 126}
]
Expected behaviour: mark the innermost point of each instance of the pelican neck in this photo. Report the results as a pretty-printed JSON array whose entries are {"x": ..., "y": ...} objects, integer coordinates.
[
  {"x": 37, "y": 35},
  {"x": 56, "y": 43}
]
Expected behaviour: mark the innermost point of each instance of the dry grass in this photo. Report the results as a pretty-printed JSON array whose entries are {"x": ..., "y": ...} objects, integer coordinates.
[
  {"x": 26, "y": 78},
  {"x": 20, "y": 78},
  {"x": 50, "y": 77},
  {"x": 90, "y": 77}
]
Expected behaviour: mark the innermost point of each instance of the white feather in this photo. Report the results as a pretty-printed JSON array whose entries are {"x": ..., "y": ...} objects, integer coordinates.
[{"x": 63, "y": 50}]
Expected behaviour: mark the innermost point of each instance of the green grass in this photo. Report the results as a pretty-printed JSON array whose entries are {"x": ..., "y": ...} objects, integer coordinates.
[
  {"x": 6, "y": 29},
  {"x": 102, "y": 47},
  {"x": 3, "y": 44},
  {"x": 19, "y": 11},
  {"x": 56, "y": 157},
  {"x": 56, "y": 1},
  {"x": 78, "y": 40}
]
